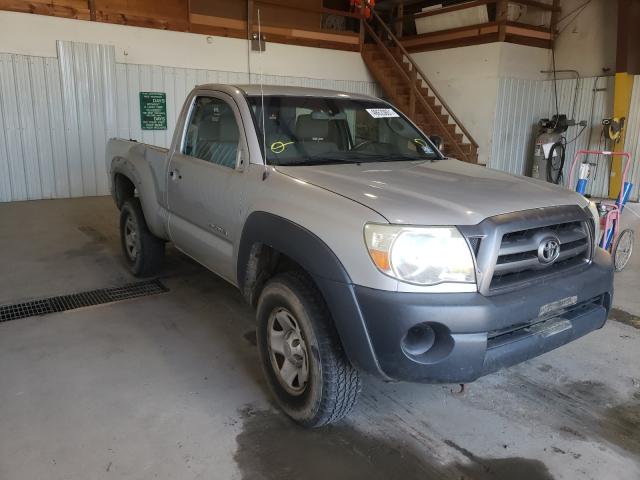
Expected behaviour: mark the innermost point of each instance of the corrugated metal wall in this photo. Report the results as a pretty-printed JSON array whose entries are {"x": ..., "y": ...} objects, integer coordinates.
[
  {"x": 521, "y": 103},
  {"x": 88, "y": 83},
  {"x": 56, "y": 114},
  {"x": 55, "y": 118},
  {"x": 632, "y": 142},
  {"x": 32, "y": 156},
  {"x": 177, "y": 82}
]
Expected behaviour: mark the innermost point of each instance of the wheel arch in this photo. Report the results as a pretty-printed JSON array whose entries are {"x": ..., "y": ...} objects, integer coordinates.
[
  {"x": 136, "y": 173},
  {"x": 268, "y": 232}
]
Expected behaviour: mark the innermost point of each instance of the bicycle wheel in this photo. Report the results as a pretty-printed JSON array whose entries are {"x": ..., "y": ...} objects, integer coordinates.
[{"x": 623, "y": 249}]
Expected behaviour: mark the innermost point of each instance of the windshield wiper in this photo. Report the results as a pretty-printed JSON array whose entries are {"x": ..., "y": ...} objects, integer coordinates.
[
  {"x": 358, "y": 157},
  {"x": 350, "y": 156}
]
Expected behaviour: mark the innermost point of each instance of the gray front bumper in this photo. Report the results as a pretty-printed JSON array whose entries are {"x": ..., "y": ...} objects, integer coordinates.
[{"x": 482, "y": 334}]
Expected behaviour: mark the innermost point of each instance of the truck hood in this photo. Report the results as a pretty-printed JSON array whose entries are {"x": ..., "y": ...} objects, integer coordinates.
[{"x": 444, "y": 192}]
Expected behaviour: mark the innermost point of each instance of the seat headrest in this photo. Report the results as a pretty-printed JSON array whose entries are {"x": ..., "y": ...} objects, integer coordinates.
[
  {"x": 208, "y": 129},
  {"x": 311, "y": 129},
  {"x": 228, "y": 129},
  {"x": 218, "y": 128}
]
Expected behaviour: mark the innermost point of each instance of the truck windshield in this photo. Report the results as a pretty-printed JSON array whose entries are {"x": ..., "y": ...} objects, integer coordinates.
[{"x": 316, "y": 130}]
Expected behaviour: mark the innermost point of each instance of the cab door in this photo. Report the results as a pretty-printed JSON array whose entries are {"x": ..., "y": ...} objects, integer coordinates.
[{"x": 205, "y": 183}]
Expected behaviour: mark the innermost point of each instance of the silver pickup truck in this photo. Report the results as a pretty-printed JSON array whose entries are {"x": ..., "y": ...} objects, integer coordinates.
[{"x": 363, "y": 249}]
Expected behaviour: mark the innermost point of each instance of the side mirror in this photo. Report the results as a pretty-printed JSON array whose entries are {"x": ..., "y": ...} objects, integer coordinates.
[{"x": 437, "y": 141}]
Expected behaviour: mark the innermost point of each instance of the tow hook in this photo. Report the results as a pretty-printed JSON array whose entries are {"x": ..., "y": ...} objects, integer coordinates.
[{"x": 460, "y": 392}]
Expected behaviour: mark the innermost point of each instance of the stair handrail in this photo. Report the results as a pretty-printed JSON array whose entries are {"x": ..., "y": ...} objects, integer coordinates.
[
  {"x": 424, "y": 78},
  {"x": 416, "y": 92}
]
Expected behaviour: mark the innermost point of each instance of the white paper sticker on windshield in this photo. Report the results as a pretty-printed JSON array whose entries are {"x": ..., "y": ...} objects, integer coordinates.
[{"x": 382, "y": 112}]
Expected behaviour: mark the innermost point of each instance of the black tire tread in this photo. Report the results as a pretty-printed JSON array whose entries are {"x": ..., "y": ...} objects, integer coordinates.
[
  {"x": 152, "y": 252},
  {"x": 341, "y": 381}
]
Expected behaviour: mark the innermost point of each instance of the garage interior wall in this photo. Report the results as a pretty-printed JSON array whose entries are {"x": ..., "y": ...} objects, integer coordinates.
[
  {"x": 56, "y": 114},
  {"x": 522, "y": 103}
]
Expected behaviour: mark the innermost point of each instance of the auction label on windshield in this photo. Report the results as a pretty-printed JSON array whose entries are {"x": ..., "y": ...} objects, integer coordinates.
[
  {"x": 381, "y": 112},
  {"x": 153, "y": 110}
]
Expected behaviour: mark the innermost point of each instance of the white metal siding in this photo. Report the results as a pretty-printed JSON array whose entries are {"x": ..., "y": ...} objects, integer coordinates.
[
  {"x": 522, "y": 103},
  {"x": 32, "y": 162},
  {"x": 178, "y": 82},
  {"x": 88, "y": 80},
  {"x": 56, "y": 114},
  {"x": 632, "y": 139}
]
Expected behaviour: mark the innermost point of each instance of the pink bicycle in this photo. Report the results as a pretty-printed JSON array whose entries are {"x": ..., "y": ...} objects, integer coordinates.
[{"x": 619, "y": 244}]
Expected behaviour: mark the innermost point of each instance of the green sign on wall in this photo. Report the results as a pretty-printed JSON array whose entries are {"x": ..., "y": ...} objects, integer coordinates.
[{"x": 153, "y": 110}]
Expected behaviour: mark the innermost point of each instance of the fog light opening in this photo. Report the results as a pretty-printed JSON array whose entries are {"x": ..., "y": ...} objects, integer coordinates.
[
  {"x": 427, "y": 343},
  {"x": 419, "y": 339}
]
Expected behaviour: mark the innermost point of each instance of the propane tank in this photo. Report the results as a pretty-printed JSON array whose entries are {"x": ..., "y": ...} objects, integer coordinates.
[
  {"x": 540, "y": 159},
  {"x": 550, "y": 148}
]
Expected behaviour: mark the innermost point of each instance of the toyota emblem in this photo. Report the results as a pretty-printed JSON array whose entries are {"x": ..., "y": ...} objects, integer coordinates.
[{"x": 549, "y": 250}]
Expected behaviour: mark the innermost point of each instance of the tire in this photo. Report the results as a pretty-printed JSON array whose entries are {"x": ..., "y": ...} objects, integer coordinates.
[
  {"x": 290, "y": 303},
  {"x": 623, "y": 249},
  {"x": 143, "y": 251}
]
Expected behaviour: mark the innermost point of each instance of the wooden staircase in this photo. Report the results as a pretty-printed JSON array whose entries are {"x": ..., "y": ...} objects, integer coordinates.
[{"x": 408, "y": 89}]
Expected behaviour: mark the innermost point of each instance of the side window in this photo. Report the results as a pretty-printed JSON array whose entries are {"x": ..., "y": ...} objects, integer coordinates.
[{"x": 212, "y": 133}]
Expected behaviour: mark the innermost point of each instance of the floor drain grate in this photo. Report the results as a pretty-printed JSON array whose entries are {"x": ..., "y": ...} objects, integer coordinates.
[{"x": 78, "y": 300}]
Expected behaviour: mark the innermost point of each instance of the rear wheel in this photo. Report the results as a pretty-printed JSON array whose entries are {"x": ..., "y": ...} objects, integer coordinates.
[
  {"x": 623, "y": 249},
  {"x": 304, "y": 363},
  {"x": 142, "y": 250}
]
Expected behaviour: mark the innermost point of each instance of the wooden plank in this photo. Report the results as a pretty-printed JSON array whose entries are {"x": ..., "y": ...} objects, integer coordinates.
[
  {"x": 454, "y": 8},
  {"x": 456, "y": 43},
  {"x": 502, "y": 10},
  {"x": 523, "y": 30},
  {"x": 349, "y": 38},
  {"x": 45, "y": 8},
  {"x": 123, "y": 18},
  {"x": 173, "y": 9},
  {"x": 240, "y": 25},
  {"x": 528, "y": 41},
  {"x": 222, "y": 22},
  {"x": 291, "y": 6},
  {"x": 452, "y": 34},
  {"x": 398, "y": 21},
  {"x": 287, "y": 36},
  {"x": 250, "y": 6},
  {"x": 553, "y": 26},
  {"x": 217, "y": 31},
  {"x": 555, "y": 7},
  {"x": 532, "y": 28}
]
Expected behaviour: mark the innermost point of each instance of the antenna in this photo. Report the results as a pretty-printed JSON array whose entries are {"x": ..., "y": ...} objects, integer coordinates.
[{"x": 265, "y": 172}]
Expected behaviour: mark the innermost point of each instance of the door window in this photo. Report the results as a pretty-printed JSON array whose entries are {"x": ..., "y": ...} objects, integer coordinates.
[{"x": 212, "y": 133}]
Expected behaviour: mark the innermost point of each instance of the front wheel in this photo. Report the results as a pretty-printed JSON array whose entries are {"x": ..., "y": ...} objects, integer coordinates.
[
  {"x": 304, "y": 363},
  {"x": 623, "y": 249}
]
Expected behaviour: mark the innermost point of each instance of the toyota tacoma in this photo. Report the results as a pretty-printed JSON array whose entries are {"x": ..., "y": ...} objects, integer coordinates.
[{"x": 362, "y": 247}]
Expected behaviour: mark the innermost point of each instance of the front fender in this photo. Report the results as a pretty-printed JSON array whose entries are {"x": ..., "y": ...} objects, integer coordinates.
[{"x": 328, "y": 273}]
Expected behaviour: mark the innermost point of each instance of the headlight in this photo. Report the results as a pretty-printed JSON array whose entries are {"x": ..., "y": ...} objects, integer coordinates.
[{"x": 420, "y": 255}]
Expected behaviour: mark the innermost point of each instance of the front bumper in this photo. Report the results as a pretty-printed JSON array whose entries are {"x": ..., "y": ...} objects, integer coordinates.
[{"x": 473, "y": 335}]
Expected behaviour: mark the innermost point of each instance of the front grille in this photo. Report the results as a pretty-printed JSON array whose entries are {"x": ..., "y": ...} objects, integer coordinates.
[
  {"x": 506, "y": 246},
  {"x": 474, "y": 242},
  {"x": 518, "y": 261}
]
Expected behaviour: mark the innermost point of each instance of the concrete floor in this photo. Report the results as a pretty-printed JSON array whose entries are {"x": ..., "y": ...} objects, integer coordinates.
[{"x": 169, "y": 386}]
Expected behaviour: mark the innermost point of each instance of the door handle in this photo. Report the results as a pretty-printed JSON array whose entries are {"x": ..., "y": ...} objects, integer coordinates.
[{"x": 175, "y": 174}]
